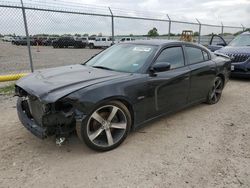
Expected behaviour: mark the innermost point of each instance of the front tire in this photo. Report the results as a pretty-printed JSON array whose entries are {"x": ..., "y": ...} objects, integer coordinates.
[
  {"x": 214, "y": 94},
  {"x": 106, "y": 127}
]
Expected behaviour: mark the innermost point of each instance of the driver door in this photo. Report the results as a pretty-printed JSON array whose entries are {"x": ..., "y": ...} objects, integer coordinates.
[
  {"x": 171, "y": 87},
  {"x": 216, "y": 43}
]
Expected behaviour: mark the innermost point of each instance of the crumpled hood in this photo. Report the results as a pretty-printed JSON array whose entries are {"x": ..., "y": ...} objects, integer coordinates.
[
  {"x": 244, "y": 50},
  {"x": 49, "y": 85}
]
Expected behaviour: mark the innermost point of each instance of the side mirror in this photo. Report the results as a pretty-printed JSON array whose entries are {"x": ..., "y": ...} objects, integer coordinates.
[{"x": 160, "y": 67}]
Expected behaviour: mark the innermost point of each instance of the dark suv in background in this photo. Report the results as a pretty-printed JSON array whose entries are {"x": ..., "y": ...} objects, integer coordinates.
[
  {"x": 65, "y": 42},
  {"x": 239, "y": 52}
]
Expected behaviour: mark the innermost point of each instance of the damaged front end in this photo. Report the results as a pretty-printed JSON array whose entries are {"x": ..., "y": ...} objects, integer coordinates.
[{"x": 45, "y": 119}]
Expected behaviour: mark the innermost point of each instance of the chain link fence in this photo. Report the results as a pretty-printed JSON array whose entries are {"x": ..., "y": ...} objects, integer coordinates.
[{"x": 30, "y": 29}]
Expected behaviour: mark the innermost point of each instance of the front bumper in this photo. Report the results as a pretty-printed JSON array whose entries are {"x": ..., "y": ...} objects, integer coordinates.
[
  {"x": 241, "y": 70},
  {"x": 29, "y": 123},
  {"x": 44, "y": 125}
]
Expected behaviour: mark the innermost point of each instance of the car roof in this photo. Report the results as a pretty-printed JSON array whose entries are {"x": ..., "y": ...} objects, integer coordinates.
[{"x": 162, "y": 42}]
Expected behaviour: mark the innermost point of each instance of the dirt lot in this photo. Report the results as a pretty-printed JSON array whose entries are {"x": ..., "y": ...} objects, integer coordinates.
[
  {"x": 202, "y": 146},
  {"x": 14, "y": 59}
]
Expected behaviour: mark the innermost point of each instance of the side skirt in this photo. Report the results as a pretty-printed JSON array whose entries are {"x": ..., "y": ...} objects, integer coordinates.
[{"x": 144, "y": 123}]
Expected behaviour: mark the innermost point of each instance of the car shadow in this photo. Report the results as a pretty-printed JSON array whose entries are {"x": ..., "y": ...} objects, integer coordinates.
[
  {"x": 75, "y": 146},
  {"x": 240, "y": 79},
  {"x": 79, "y": 147}
]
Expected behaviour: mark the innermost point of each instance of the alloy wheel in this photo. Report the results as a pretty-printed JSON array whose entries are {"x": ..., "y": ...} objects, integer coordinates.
[
  {"x": 216, "y": 90},
  {"x": 107, "y": 126}
]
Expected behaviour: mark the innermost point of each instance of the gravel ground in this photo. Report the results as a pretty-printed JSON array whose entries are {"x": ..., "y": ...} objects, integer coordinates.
[
  {"x": 15, "y": 59},
  {"x": 202, "y": 146}
]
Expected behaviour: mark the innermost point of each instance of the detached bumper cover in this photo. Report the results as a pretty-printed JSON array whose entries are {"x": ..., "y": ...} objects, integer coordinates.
[{"x": 28, "y": 123}]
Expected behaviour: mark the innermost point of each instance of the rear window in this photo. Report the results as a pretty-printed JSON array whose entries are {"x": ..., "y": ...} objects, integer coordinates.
[{"x": 195, "y": 55}]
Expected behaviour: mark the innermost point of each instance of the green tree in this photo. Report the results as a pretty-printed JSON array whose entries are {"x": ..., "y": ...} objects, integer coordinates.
[
  {"x": 153, "y": 32},
  {"x": 196, "y": 33}
]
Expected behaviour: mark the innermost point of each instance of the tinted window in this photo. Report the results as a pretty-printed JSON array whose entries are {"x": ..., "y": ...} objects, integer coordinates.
[
  {"x": 173, "y": 55},
  {"x": 123, "y": 57},
  {"x": 194, "y": 55},
  {"x": 103, "y": 39}
]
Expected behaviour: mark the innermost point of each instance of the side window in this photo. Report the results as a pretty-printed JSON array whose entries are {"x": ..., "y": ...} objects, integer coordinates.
[
  {"x": 103, "y": 39},
  {"x": 194, "y": 55},
  {"x": 205, "y": 55},
  {"x": 172, "y": 55}
]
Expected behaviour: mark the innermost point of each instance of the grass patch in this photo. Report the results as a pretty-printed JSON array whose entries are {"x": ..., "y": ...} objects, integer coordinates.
[{"x": 7, "y": 90}]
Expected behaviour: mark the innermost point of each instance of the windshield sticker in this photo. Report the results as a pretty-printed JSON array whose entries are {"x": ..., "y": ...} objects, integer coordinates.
[{"x": 141, "y": 49}]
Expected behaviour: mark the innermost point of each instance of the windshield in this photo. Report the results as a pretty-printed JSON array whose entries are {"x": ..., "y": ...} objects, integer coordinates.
[
  {"x": 241, "y": 40},
  {"x": 124, "y": 57}
]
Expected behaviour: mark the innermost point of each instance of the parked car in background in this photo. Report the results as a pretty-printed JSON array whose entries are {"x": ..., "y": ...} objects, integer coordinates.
[
  {"x": 48, "y": 41},
  {"x": 100, "y": 42},
  {"x": 8, "y": 38},
  {"x": 67, "y": 42},
  {"x": 84, "y": 39},
  {"x": 39, "y": 40},
  {"x": 239, "y": 52},
  {"x": 21, "y": 41},
  {"x": 119, "y": 89},
  {"x": 216, "y": 42},
  {"x": 126, "y": 39}
]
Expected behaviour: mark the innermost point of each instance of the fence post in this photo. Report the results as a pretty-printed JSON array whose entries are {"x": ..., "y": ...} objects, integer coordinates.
[
  {"x": 222, "y": 29},
  {"x": 27, "y": 36},
  {"x": 169, "y": 27},
  {"x": 199, "y": 37},
  {"x": 243, "y": 28},
  {"x": 112, "y": 25}
]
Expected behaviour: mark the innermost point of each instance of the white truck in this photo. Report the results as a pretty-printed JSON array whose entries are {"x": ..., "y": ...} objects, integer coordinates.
[
  {"x": 100, "y": 42},
  {"x": 8, "y": 38}
]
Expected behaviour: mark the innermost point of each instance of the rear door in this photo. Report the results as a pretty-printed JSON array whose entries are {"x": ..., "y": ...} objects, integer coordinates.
[
  {"x": 104, "y": 42},
  {"x": 203, "y": 71},
  {"x": 170, "y": 88}
]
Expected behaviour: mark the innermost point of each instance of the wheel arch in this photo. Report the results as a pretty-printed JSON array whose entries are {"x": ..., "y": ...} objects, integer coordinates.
[{"x": 124, "y": 101}]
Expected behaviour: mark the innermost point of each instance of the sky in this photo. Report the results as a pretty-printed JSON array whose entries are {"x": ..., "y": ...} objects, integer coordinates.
[{"x": 230, "y": 12}]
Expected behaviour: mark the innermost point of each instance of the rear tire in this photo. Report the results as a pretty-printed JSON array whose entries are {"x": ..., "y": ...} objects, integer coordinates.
[
  {"x": 215, "y": 92},
  {"x": 106, "y": 127},
  {"x": 91, "y": 46}
]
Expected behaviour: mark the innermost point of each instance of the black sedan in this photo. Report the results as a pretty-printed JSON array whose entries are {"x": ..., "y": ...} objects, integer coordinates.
[{"x": 119, "y": 89}]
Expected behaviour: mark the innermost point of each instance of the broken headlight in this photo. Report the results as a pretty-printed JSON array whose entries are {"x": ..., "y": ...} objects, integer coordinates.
[{"x": 64, "y": 106}]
